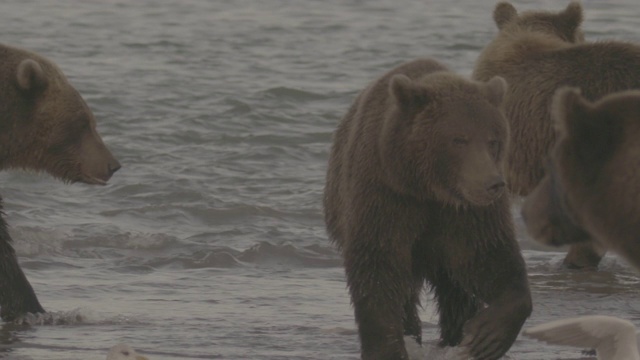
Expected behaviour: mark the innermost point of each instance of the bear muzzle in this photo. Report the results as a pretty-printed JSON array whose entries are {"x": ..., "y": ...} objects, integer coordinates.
[
  {"x": 101, "y": 177},
  {"x": 485, "y": 192},
  {"x": 97, "y": 163}
]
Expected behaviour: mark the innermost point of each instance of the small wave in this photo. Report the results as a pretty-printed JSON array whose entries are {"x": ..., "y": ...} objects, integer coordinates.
[
  {"x": 141, "y": 252},
  {"x": 33, "y": 241},
  {"x": 263, "y": 253},
  {"x": 82, "y": 241},
  {"x": 73, "y": 317},
  {"x": 286, "y": 93},
  {"x": 237, "y": 107},
  {"x": 202, "y": 259},
  {"x": 612, "y": 278},
  {"x": 78, "y": 316},
  {"x": 155, "y": 44},
  {"x": 341, "y": 331},
  {"x": 309, "y": 256},
  {"x": 128, "y": 240}
]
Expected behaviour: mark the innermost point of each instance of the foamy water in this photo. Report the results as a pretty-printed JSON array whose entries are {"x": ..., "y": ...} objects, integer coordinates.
[{"x": 210, "y": 243}]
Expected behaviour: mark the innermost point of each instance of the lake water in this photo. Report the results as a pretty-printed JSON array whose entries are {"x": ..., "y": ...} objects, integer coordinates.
[{"x": 210, "y": 242}]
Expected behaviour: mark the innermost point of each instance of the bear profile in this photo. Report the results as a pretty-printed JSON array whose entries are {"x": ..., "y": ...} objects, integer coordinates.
[
  {"x": 594, "y": 164},
  {"x": 415, "y": 194},
  {"x": 537, "y": 52},
  {"x": 45, "y": 125}
]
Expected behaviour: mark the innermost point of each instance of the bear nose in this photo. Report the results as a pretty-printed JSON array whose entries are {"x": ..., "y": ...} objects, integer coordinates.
[
  {"x": 496, "y": 186},
  {"x": 113, "y": 167}
]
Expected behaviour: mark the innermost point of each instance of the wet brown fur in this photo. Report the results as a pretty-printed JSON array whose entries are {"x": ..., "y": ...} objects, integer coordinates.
[
  {"x": 16, "y": 294},
  {"x": 398, "y": 207}
]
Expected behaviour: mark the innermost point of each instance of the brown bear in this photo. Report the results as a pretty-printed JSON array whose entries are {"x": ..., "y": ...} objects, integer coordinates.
[
  {"x": 537, "y": 52},
  {"x": 594, "y": 167},
  {"x": 45, "y": 125},
  {"x": 414, "y": 194}
]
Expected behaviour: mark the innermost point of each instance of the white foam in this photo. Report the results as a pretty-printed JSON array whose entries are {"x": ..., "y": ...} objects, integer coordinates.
[{"x": 75, "y": 316}]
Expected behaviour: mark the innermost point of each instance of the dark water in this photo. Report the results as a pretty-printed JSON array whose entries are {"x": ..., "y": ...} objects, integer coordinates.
[{"x": 209, "y": 243}]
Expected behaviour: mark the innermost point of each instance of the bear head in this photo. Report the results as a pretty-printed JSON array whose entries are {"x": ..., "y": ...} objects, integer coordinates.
[
  {"x": 45, "y": 125},
  {"x": 564, "y": 25},
  {"x": 595, "y": 162},
  {"x": 445, "y": 139}
]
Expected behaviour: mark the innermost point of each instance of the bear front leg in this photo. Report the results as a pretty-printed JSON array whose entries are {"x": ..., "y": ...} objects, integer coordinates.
[
  {"x": 492, "y": 331},
  {"x": 455, "y": 307},
  {"x": 380, "y": 289},
  {"x": 489, "y": 265},
  {"x": 411, "y": 320},
  {"x": 501, "y": 284},
  {"x": 16, "y": 294}
]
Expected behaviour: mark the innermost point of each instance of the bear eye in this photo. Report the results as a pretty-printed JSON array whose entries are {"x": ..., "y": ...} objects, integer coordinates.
[{"x": 460, "y": 141}]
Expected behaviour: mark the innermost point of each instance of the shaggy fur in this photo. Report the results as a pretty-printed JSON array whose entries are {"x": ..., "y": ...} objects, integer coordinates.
[
  {"x": 16, "y": 294},
  {"x": 415, "y": 194},
  {"x": 45, "y": 125},
  {"x": 595, "y": 162},
  {"x": 538, "y": 52}
]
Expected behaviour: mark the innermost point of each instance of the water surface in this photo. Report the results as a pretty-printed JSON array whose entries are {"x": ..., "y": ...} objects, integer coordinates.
[{"x": 210, "y": 243}]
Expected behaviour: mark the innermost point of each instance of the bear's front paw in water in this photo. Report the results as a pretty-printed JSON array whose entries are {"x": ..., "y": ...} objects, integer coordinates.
[
  {"x": 18, "y": 304},
  {"x": 16, "y": 315},
  {"x": 488, "y": 336},
  {"x": 17, "y": 297}
]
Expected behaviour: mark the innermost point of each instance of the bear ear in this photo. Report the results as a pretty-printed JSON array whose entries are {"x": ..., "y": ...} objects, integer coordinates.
[
  {"x": 569, "y": 22},
  {"x": 590, "y": 132},
  {"x": 30, "y": 76},
  {"x": 503, "y": 13},
  {"x": 406, "y": 92},
  {"x": 495, "y": 90},
  {"x": 569, "y": 110}
]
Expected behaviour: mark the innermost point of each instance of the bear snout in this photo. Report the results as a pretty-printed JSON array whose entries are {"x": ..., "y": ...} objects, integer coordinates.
[
  {"x": 112, "y": 167},
  {"x": 484, "y": 192},
  {"x": 107, "y": 171},
  {"x": 97, "y": 163}
]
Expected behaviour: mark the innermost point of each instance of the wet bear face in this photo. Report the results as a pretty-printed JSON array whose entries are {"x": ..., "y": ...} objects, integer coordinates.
[
  {"x": 48, "y": 127},
  {"x": 564, "y": 25},
  {"x": 456, "y": 137}
]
